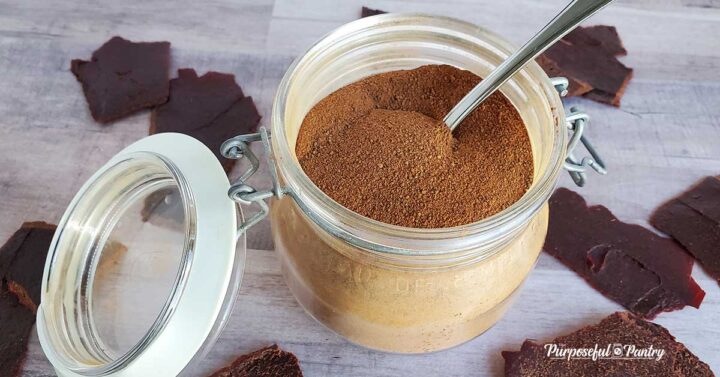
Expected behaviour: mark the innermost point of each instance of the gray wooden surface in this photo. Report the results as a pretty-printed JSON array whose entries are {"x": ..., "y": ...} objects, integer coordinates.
[{"x": 665, "y": 136}]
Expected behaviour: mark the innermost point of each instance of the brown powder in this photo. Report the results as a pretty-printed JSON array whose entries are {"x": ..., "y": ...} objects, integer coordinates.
[{"x": 378, "y": 147}]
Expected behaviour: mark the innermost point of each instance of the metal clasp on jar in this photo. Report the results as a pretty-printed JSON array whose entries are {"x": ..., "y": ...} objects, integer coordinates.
[
  {"x": 576, "y": 121},
  {"x": 241, "y": 192}
]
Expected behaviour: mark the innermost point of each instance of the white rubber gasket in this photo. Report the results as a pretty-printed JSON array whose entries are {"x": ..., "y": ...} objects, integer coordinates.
[{"x": 214, "y": 257}]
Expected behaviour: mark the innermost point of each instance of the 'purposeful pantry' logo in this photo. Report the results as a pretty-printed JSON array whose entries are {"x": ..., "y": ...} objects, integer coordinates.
[{"x": 615, "y": 351}]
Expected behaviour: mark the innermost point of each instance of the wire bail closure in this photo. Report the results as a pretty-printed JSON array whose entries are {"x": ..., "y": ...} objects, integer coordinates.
[
  {"x": 237, "y": 148},
  {"x": 576, "y": 121}
]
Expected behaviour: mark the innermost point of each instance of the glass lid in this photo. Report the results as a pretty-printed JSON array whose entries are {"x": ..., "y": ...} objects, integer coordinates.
[{"x": 144, "y": 268}]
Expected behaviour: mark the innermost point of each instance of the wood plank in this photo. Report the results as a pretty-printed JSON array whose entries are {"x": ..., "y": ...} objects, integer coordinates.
[
  {"x": 234, "y": 26},
  {"x": 266, "y": 313},
  {"x": 687, "y": 50},
  {"x": 649, "y": 4}
]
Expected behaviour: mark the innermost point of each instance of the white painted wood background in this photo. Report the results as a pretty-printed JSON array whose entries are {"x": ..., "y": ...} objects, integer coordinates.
[{"x": 665, "y": 136}]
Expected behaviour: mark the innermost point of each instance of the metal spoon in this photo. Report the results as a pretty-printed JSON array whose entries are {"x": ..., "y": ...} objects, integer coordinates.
[{"x": 569, "y": 18}]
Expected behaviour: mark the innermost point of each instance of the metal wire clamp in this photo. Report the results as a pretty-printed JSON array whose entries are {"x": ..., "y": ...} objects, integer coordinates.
[
  {"x": 576, "y": 121},
  {"x": 237, "y": 148}
]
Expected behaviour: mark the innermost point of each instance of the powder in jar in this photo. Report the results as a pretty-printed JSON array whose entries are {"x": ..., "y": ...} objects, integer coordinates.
[{"x": 378, "y": 147}]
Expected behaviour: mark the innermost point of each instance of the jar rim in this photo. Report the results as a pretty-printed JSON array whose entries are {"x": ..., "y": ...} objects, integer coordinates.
[{"x": 373, "y": 235}]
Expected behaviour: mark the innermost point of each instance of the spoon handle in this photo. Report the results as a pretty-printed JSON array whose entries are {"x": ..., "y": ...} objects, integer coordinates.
[{"x": 569, "y": 18}]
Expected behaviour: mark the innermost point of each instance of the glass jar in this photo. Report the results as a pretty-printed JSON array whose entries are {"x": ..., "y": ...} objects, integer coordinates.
[
  {"x": 145, "y": 265},
  {"x": 394, "y": 288}
]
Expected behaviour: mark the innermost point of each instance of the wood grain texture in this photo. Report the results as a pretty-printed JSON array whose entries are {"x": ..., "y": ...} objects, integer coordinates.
[
  {"x": 664, "y": 137},
  {"x": 266, "y": 312}
]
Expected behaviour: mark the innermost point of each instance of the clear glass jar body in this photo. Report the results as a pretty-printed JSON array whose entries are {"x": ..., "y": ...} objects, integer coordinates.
[{"x": 388, "y": 287}]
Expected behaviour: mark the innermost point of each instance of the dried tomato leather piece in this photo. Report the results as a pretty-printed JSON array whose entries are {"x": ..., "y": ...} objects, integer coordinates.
[
  {"x": 693, "y": 220},
  {"x": 628, "y": 263},
  {"x": 123, "y": 77},
  {"x": 267, "y": 362},
  {"x": 587, "y": 57},
  {"x": 614, "y": 336}
]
